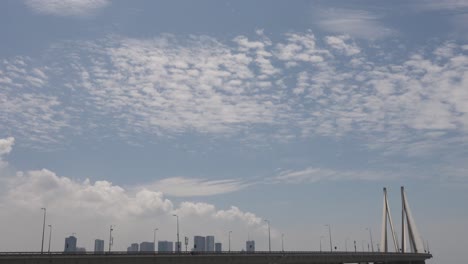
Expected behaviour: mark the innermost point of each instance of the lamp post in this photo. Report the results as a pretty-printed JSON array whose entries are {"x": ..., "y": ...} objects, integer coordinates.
[
  {"x": 321, "y": 243},
  {"x": 154, "y": 238},
  {"x": 282, "y": 242},
  {"x": 229, "y": 240},
  {"x": 50, "y": 236},
  {"x": 43, "y": 229},
  {"x": 355, "y": 249},
  {"x": 178, "y": 242},
  {"x": 269, "y": 237},
  {"x": 111, "y": 239},
  {"x": 370, "y": 235},
  {"x": 329, "y": 234}
]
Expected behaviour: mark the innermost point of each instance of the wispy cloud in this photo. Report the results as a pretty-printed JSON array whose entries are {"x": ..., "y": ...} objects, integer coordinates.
[
  {"x": 312, "y": 175},
  {"x": 189, "y": 187},
  {"x": 66, "y": 7},
  {"x": 28, "y": 108},
  {"x": 357, "y": 23}
]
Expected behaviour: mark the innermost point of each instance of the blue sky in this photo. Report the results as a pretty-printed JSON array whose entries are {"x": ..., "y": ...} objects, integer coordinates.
[{"x": 231, "y": 112}]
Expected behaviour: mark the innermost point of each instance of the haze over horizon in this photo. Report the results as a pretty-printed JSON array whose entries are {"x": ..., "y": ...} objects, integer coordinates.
[{"x": 228, "y": 113}]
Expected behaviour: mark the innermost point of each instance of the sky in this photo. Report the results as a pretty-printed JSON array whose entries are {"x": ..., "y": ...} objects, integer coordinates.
[{"x": 230, "y": 113}]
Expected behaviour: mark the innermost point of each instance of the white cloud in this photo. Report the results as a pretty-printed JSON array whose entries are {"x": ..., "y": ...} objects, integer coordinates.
[
  {"x": 187, "y": 187},
  {"x": 312, "y": 175},
  {"x": 66, "y": 7},
  {"x": 6, "y": 144},
  {"x": 88, "y": 208},
  {"x": 357, "y": 23},
  {"x": 165, "y": 87},
  {"x": 29, "y": 110},
  {"x": 339, "y": 43}
]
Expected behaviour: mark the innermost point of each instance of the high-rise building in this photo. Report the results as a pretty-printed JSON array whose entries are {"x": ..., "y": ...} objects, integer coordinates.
[
  {"x": 146, "y": 246},
  {"x": 70, "y": 244},
  {"x": 250, "y": 246},
  {"x": 165, "y": 246},
  {"x": 199, "y": 244},
  {"x": 218, "y": 247},
  {"x": 98, "y": 246},
  {"x": 133, "y": 248},
  {"x": 210, "y": 244}
]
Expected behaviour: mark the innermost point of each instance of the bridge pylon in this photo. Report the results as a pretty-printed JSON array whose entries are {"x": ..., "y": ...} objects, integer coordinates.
[
  {"x": 409, "y": 231},
  {"x": 415, "y": 242},
  {"x": 387, "y": 217}
]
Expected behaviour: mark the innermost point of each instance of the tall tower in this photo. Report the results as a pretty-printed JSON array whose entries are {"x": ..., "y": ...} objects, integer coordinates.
[
  {"x": 415, "y": 242},
  {"x": 387, "y": 217}
]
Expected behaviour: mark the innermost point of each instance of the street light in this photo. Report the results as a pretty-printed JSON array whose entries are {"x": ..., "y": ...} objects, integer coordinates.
[
  {"x": 50, "y": 236},
  {"x": 321, "y": 243},
  {"x": 43, "y": 230},
  {"x": 178, "y": 243},
  {"x": 229, "y": 239},
  {"x": 111, "y": 239},
  {"x": 329, "y": 234},
  {"x": 370, "y": 235},
  {"x": 282, "y": 242},
  {"x": 154, "y": 239},
  {"x": 269, "y": 237}
]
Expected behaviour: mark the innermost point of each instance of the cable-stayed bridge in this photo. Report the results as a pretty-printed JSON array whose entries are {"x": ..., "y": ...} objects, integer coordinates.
[{"x": 410, "y": 250}]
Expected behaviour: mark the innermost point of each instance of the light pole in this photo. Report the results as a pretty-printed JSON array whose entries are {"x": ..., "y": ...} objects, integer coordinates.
[
  {"x": 329, "y": 234},
  {"x": 50, "y": 236},
  {"x": 355, "y": 249},
  {"x": 269, "y": 237},
  {"x": 229, "y": 240},
  {"x": 370, "y": 235},
  {"x": 282, "y": 242},
  {"x": 154, "y": 239},
  {"x": 111, "y": 239},
  {"x": 321, "y": 243},
  {"x": 43, "y": 229},
  {"x": 178, "y": 243}
]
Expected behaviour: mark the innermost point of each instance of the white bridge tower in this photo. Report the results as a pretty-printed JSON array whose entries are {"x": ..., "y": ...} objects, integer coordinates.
[{"x": 409, "y": 230}]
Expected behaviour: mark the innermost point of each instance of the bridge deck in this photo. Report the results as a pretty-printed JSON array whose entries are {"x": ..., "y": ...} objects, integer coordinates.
[{"x": 213, "y": 258}]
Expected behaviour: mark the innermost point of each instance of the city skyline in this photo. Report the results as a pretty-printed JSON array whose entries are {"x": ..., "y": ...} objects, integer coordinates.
[{"x": 210, "y": 117}]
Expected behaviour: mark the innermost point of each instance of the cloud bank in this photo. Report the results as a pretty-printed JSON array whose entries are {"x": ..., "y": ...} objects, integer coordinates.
[
  {"x": 87, "y": 208},
  {"x": 255, "y": 89}
]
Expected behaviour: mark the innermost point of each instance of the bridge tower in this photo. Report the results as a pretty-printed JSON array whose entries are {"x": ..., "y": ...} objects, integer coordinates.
[
  {"x": 387, "y": 217},
  {"x": 409, "y": 231},
  {"x": 415, "y": 242}
]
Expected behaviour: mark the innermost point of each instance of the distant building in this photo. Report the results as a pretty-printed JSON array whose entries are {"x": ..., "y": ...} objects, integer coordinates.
[
  {"x": 98, "y": 246},
  {"x": 199, "y": 244},
  {"x": 210, "y": 244},
  {"x": 165, "y": 246},
  {"x": 146, "y": 246},
  {"x": 133, "y": 248},
  {"x": 218, "y": 247},
  {"x": 81, "y": 249},
  {"x": 70, "y": 244},
  {"x": 178, "y": 246},
  {"x": 250, "y": 246}
]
